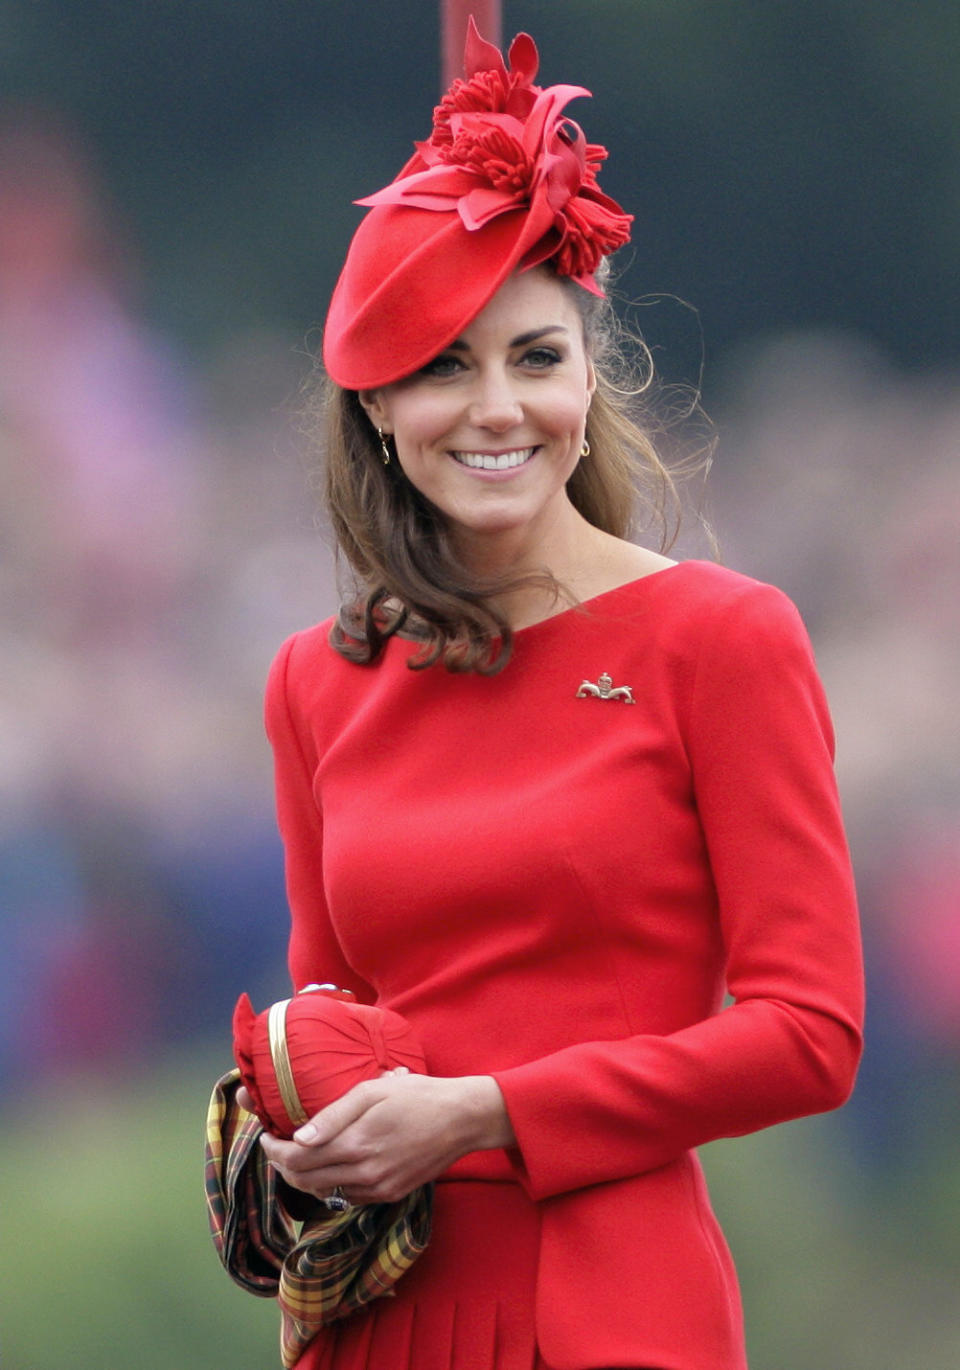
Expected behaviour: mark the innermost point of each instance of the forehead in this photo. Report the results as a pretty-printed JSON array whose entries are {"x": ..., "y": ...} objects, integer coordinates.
[{"x": 527, "y": 300}]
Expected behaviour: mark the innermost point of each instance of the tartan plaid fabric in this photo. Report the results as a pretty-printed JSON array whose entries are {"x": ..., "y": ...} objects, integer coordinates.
[{"x": 322, "y": 1271}]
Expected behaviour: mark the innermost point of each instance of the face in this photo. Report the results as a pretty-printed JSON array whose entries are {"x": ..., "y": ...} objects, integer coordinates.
[{"x": 490, "y": 431}]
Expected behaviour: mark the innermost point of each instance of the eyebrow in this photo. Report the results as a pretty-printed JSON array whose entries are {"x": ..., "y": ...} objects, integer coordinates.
[{"x": 520, "y": 341}]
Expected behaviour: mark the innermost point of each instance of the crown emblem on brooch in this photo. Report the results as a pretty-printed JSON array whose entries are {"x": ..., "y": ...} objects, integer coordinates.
[{"x": 605, "y": 689}]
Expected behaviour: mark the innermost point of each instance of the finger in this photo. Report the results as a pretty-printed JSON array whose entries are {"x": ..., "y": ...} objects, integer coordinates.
[
  {"x": 318, "y": 1180},
  {"x": 306, "y": 1167},
  {"x": 244, "y": 1099},
  {"x": 333, "y": 1119},
  {"x": 338, "y": 1200},
  {"x": 287, "y": 1156}
]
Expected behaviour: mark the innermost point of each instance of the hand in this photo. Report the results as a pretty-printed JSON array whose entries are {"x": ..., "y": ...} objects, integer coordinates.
[{"x": 385, "y": 1137}]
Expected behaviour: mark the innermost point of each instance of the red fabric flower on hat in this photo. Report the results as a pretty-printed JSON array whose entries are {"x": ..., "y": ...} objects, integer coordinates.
[
  {"x": 501, "y": 143},
  {"x": 489, "y": 85}
]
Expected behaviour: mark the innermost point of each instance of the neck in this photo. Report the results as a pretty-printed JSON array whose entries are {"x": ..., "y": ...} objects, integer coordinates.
[{"x": 564, "y": 550}]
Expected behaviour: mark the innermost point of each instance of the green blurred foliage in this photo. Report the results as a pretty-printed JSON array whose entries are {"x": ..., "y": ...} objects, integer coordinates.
[{"x": 106, "y": 1260}]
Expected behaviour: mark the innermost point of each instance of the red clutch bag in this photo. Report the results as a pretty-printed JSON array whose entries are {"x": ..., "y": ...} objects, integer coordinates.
[{"x": 303, "y": 1053}]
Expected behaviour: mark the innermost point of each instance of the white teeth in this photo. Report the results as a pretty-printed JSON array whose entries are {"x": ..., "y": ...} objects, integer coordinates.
[{"x": 503, "y": 462}]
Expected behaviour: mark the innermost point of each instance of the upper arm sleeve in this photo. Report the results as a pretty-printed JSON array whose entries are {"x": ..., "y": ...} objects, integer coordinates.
[
  {"x": 314, "y": 952},
  {"x": 760, "y": 747}
]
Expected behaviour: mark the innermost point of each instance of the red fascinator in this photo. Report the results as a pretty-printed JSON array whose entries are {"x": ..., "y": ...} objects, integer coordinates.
[
  {"x": 504, "y": 181},
  {"x": 303, "y": 1053}
]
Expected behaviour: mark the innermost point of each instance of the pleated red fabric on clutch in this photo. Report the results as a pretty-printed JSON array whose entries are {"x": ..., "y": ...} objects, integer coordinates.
[{"x": 311, "y": 1049}]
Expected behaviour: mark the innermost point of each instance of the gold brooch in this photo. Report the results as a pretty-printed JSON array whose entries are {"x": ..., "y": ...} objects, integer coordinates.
[{"x": 605, "y": 689}]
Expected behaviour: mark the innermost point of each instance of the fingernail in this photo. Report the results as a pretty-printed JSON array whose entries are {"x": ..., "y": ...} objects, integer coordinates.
[{"x": 306, "y": 1134}]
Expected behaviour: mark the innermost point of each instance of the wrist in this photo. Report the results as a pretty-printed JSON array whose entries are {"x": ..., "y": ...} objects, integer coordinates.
[{"x": 483, "y": 1114}]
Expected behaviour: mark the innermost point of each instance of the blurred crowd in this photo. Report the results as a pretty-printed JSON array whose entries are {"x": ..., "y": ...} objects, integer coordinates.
[
  {"x": 158, "y": 541},
  {"x": 156, "y": 545},
  {"x": 841, "y": 483}
]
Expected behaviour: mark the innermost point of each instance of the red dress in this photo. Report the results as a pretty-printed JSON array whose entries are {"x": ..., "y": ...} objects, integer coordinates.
[{"x": 556, "y": 885}]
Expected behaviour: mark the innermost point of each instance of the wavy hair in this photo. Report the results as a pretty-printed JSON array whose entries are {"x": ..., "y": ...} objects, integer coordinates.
[{"x": 409, "y": 579}]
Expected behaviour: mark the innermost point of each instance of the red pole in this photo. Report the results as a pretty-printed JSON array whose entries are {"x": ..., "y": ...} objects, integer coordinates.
[{"x": 453, "y": 32}]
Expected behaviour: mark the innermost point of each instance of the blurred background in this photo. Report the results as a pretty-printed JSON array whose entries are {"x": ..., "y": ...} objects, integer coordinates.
[{"x": 176, "y": 183}]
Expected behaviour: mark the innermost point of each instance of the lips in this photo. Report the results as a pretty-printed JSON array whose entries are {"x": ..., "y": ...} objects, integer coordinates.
[{"x": 499, "y": 461}]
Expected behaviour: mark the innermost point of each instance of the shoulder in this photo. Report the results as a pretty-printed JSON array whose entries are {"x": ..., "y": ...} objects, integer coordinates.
[
  {"x": 313, "y": 691},
  {"x": 720, "y": 636},
  {"x": 304, "y": 652},
  {"x": 305, "y": 668},
  {"x": 708, "y": 588},
  {"x": 692, "y": 604},
  {"x": 749, "y": 656},
  {"x": 712, "y": 607},
  {"x": 299, "y": 658}
]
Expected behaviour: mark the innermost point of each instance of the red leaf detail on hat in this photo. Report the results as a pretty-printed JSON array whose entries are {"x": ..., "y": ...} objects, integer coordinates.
[
  {"x": 479, "y": 55},
  {"x": 524, "y": 58},
  {"x": 489, "y": 86}
]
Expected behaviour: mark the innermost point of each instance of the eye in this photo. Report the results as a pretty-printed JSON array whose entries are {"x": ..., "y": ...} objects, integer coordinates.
[
  {"x": 447, "y": 364},
  {"x": 541, "y": 358}
]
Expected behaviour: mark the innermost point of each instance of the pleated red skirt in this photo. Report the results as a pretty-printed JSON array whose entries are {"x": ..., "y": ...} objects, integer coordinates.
[{"x": 467, "y": 1304}]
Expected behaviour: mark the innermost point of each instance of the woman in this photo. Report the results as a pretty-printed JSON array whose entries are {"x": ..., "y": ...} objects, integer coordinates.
[{"x": 544, "y": 792}]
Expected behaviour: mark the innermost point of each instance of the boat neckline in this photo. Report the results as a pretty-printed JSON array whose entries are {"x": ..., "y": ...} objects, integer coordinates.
[{"x": 603, "y": 595}]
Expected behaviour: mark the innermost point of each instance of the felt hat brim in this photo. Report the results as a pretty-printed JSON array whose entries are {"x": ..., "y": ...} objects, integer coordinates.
[{"x": 413, "y": 280}]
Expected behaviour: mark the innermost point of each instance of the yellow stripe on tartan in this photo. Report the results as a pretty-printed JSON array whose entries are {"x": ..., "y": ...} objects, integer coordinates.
[{"x": 307, "y": 1300}]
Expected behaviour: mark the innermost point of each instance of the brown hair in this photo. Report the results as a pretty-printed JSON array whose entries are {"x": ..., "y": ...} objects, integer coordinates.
[{"x": 396, "y": 541}]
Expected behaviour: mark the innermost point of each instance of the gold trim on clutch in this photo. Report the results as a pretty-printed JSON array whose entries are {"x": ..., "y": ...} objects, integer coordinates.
[{"x": 277, "y": 1031}]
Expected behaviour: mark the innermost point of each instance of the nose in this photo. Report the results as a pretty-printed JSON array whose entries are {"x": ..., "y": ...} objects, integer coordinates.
[{"x": 495, "y": 403}]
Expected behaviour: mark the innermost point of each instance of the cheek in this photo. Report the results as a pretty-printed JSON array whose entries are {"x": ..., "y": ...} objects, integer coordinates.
[
  {"x": 569, "y": 413},
  {"x": 419, "y": 424}
]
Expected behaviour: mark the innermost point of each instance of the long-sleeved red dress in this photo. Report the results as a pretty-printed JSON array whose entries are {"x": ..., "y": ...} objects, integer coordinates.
[{"x": 556, "y": 883}]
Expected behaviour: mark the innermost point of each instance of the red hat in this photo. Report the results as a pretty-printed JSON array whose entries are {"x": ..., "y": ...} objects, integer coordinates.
[
  {"x": 303, "y": 1053},
  {"x": 504, "y": 181}
]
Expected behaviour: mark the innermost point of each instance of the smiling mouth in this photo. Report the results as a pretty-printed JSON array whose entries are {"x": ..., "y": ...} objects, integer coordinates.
[{"x": 503, "y": 461}]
